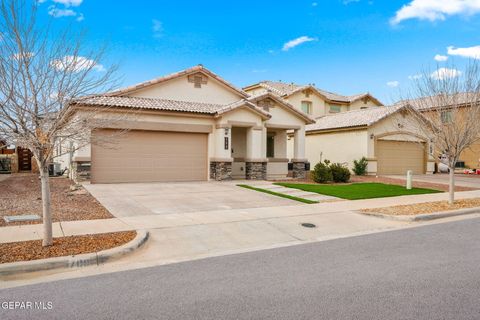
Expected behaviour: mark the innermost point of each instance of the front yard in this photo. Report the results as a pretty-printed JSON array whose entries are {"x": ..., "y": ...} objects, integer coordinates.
[
  {"x": 356, "y": 191},
  {"x": 20, "y": 195}
]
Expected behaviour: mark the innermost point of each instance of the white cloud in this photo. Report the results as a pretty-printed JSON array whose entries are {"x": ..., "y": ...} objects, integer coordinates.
[
  {"x": 393, "y": 84},
  {"x": 314, "y": 4},
  {"x": 435, "y": 9},
  {"x": 295, "y": 42},
  {"x": 470, "y": 52},
  {"x": 415, "y": 77},
  {"x": 80, "y": 17},
  {"x": 439, "y": 58},
  {"x": 445, "y": 73},
  {"x": 69, "y": 3},
  {"x": 58, "y": 13},
  {"x": 76, "y": 64},
  {"x": 157, "y": 28},
  {"x": 347, "y": 2},
  {"x": 259, "y": 70}
]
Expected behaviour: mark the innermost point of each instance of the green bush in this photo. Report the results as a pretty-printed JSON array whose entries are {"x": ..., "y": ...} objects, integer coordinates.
[
  {"x": 322, "y": 173},
  {"x": 360, "y": 166},
  {"x": 339, "y": 173}
]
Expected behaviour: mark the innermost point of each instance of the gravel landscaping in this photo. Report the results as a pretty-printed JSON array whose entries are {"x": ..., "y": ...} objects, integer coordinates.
[
  {"x": 427, "y": 207},
  {"x": 20, "y": 195},
  {"x": 65, "y": 246}
]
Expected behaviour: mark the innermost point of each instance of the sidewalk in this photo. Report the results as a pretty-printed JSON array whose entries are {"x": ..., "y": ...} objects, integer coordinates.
[{"x": 69, "y": 228}]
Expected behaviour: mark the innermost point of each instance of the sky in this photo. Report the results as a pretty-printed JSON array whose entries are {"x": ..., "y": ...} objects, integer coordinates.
[{"x": 343, "y": 46}]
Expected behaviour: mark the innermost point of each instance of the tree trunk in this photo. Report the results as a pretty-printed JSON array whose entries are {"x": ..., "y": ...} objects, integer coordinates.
[
  {"x": 46, "y": 207},
  {"x": 451, "y": 185}
]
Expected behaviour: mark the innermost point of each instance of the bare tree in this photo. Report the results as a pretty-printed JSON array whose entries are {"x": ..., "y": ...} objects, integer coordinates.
[
  {"x": 41, "y": 69},
  {"x": 448, "y": 101}
]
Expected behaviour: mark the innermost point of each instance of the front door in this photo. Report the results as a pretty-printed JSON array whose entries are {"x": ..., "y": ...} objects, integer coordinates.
[{"x": 24, "y": 159}]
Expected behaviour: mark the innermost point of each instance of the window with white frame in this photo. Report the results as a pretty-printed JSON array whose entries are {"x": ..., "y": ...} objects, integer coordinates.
[
  {"x": 307, "y": 107},
  {"x": 335, "y": 108}
]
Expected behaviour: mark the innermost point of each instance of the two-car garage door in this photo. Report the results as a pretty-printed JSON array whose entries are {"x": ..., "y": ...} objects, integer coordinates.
[
  {"x": 396, "y": 157},
  {"x": 147, "y": 156}
]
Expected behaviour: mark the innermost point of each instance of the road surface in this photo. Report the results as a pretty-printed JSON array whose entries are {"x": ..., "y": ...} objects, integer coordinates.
[{"x": 430, "y": 272}]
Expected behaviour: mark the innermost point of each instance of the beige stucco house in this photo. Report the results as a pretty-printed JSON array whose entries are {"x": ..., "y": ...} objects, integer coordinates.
[
  {"x": 379, "y": 134},
  {"x": 188, "y": 126},
  {"x": 313, "y": 101}
]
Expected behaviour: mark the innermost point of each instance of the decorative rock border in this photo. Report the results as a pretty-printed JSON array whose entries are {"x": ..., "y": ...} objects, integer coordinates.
[
  {"x": 77, "y": 261},
  {"x": 424, "y": 217}
]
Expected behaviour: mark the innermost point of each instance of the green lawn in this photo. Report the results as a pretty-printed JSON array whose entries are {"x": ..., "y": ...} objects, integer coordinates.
[
  {"x": 246, "y": 186},
  {"x": 357, "y": 191}
]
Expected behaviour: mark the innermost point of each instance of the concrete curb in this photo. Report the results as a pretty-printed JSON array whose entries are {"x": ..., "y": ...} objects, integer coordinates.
[
  {"x": 424, "y": 217},
  {"x": 78, "y": 261}
]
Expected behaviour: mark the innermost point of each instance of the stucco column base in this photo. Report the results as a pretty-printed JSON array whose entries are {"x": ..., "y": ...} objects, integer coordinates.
[
  {"x": 255, "y": 170},
  {"x": 81, "y": 171},
  {"x": 298, "y": 170},
  {"x": 220, "y": 170}
]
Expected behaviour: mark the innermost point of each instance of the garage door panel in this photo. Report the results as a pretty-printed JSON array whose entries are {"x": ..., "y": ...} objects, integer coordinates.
[
  {"x": 145, "y": 156},
  {"x": 396, "y": 157}
]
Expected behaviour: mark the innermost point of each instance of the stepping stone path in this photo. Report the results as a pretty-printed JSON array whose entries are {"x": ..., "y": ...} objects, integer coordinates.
[{"x": 292, "y": 192}]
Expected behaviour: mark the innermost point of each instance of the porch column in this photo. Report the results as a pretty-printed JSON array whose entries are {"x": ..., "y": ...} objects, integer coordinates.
[
  {"x": 299, "y": 160},
  {"x": 299, "y": 144},
  {"x": 221, "y": 164},
  {"x": 255, "y": 162}
]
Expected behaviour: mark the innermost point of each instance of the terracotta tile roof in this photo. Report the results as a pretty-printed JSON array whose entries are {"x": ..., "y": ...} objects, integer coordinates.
[
  {"x": 149, "y": 103},
  {"x": 288, "y": 106},
  {"x": 441, "y": 101},
  {"x": 198, "y": 68},
  {"x": 350, "y": 119},
  {"x": 286, "y": 89},
  {"x": 166, "y": 104}
]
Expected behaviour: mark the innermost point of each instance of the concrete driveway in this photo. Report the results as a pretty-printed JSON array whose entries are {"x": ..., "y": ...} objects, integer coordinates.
[
  {"x": 471, "y": 181},
  {"x": 140, "y": 199}
]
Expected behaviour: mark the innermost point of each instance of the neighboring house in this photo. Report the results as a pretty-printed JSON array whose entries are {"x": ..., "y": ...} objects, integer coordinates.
[
  {"x": 314, "y": 101},
  {"x": 377, "y": 133},
  {"x": 469, "y": 158},
  {"x": 191, "y": 125}
]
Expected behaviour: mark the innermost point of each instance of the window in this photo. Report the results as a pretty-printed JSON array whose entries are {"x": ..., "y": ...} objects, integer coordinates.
[
  {"x": 307, "y": 107},
  {"x": 446, "y": 116},
  {"x": 270, "y": 147},
  {"x": 335, "y": 108}
]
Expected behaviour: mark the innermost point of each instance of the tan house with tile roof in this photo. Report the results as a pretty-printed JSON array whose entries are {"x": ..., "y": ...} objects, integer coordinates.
[
  {"x": 379, "y": 134},
  {"x": 314, "y": 101},
  {"x": 469, "y": 158},
  {"x": 188, "y": 126}
]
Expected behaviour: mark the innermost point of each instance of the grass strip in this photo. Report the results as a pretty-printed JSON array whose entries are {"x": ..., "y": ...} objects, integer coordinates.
[
  {"x": 277, "y": 194},
  {"x": 356, "y": 191}
]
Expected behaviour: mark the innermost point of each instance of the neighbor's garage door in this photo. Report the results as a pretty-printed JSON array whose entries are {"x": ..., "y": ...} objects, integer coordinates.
[
  {"x": 146, "y": 156},
  {"x": 396, "y": 157}
]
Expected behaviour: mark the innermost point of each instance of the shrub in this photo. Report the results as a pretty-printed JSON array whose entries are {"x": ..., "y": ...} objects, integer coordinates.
[
  {"x": 322, "y": 173},
  {"x": 360, "y": 166},
  {"x": 339, "y": 173}
]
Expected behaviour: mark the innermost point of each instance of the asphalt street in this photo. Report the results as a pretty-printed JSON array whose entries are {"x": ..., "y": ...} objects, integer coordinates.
[{"x": 429, "y": 272}]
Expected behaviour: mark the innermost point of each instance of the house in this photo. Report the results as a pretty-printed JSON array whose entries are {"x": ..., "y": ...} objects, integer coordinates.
[
  {"x": 451, "y": 108},
  {"x": 313, "y": 101},
  {"x": 379, "y": 134},
  {"x": 190, "y": 126}
]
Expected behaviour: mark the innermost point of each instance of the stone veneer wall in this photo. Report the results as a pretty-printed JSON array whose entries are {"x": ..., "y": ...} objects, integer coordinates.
[
  {"x": 220, "y": 170},
  {"x": 299, "y": 170},
  {"x": 80, "y": 171},
  {"x": 256, "y": 170}
]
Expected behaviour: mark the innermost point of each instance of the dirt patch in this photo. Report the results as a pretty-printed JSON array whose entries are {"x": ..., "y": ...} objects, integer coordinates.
[
  {"x": 65, "y": 246},
  {"x": 427, "y": 207},
  {"x": 20, "y": 194}
]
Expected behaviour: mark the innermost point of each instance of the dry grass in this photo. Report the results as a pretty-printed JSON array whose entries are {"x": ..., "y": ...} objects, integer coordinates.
[
  {"x": 427, "y": 207},
  {"x": 65, "y": 246}
]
